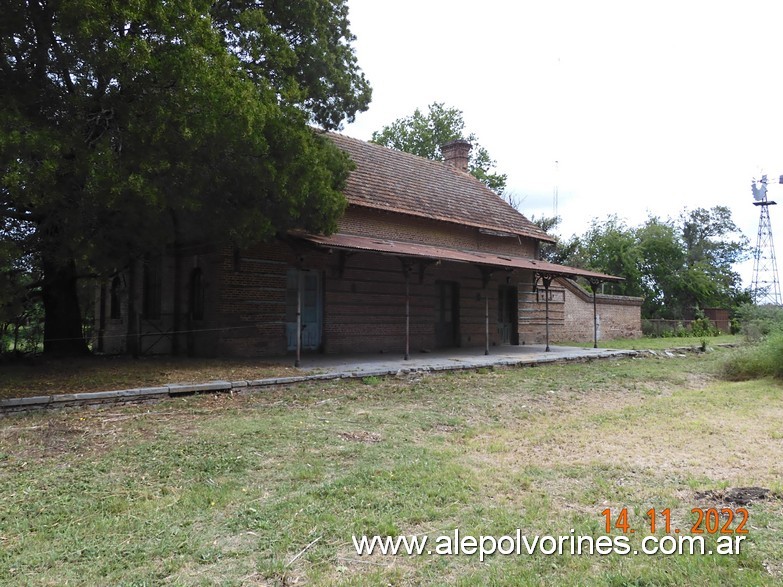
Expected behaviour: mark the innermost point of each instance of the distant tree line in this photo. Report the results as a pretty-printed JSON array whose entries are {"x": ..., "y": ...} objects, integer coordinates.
[{"x": 678, "y": 265}]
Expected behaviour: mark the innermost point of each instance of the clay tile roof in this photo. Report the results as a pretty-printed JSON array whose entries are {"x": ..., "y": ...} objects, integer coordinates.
[{"x": 391, "y": 180}]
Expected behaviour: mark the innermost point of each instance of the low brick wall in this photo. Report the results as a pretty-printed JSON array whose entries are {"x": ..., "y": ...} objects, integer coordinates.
[
  {"x": 618, "y": 316},
  {"x": 571, "y": 314}
]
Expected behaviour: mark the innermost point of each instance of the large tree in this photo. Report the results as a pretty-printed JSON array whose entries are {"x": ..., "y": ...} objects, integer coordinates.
[
  {"x": 713, "y": 244},
  {"x": 423, "y": 134},
  {"x": 661, "y": 258},
  {"x": 128, "y": 126},
  {"x": 609, "y": 246}
]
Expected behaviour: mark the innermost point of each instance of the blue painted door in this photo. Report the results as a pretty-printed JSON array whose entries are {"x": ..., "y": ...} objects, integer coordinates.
[{"x": 312, "y": 308}]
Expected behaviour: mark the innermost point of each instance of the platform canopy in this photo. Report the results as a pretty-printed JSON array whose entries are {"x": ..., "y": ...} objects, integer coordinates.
[{"x": 349, "y": 242}]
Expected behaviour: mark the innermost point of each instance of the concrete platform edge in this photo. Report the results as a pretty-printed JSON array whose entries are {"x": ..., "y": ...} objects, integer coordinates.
[{"x": 13, "y": 405}]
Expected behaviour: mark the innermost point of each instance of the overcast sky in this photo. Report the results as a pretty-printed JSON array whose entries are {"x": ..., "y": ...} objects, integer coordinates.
[{"x": 646, "y": 107}]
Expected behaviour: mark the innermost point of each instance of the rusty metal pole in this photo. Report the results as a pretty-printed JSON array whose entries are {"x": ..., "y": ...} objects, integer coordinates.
[
  {"x": 594, "y": 283},
  {"x": 299, "y": 279},
  {"x": 547, "y": 282},
  {"x": 486, "y": 320},
  {"x": 595, "y": 322},
  {"x": 407, "y": 315}
]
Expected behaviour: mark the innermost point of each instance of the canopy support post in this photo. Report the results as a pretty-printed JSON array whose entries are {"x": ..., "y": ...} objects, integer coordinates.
[
  {"x": 486, "y": 275},
  {"x": 299, "y": 280},
  {"x": 546, "y": 279},
  {"x": 407, "y": 316},
  {"x": 594, "y": 283},
  {"x": 486, "y": 320},
  {"x": 407, "y": 268}
]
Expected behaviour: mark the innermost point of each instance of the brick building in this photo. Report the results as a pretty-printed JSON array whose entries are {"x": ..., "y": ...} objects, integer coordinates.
[{"x": 425, "y": 257}]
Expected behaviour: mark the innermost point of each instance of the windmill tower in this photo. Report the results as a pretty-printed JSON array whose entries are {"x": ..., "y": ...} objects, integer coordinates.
[{"x": 765, "y": 288}]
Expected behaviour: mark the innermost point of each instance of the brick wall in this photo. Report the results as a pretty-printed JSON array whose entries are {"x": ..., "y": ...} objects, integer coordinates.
[
  {"x": 571, "y": 314},
  {"x": 363, "y": 297},
  {"x": 618, "y": 316},
  {"x": 364, "y": 301},
  {"x": 368, "y": 222},
  {"x": 720, "y": 317},
  {"x": 110, "y": 333},
  {"x": 532, "y": 310},
  {"x": 365, "y": 306},
  {"x": 252, "y": 302},
  {"x": 175, "y": 328}
]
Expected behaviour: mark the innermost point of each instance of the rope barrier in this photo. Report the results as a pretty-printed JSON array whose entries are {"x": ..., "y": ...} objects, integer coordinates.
[{"x": 158, "y": 333}]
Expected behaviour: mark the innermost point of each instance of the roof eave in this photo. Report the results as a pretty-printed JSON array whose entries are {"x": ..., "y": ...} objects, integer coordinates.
[{"x": 379, "y": 246}]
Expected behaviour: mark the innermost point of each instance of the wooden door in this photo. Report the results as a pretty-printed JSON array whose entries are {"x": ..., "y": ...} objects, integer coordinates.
[
  {"x": 508, "y": 323},
  {"x": 446, "y": 314}
]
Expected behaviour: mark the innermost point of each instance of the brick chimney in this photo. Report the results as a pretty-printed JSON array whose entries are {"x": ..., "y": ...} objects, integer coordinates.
[{"x": 456, "y": 153}]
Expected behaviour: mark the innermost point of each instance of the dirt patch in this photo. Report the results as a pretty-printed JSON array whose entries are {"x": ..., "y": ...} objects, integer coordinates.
[
  {"x": 61, "y": 437},
  {"x": 741, "y": 496},
  {"x": 445, "y": 428},
  {"x": 361, "y": 436}
]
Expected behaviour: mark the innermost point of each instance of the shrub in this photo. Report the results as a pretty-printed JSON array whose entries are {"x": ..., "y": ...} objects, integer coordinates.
[
  {"x": 735, "y": 326},
  {"x": 759, "y": 321},
  {"x": 656, "y": 328},
  {"x": 704, "y": 327},
  {"x": 764, "y": 359},
  {"x": 701, "y": 325}
]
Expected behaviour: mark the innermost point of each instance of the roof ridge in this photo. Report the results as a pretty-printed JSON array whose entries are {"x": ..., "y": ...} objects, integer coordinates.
[{"x": 393, "y": 180}]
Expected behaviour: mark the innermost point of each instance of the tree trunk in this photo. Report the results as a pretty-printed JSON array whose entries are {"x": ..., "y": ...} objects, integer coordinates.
[
  {"x": 16, "y": 336},
  {"x": 62, "y": 315}
]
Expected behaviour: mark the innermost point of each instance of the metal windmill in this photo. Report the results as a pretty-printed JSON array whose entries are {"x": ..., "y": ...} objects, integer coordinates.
[{"x": 765, "y": 288}]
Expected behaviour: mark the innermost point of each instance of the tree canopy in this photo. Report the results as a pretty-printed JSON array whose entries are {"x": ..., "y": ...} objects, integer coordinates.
[
  {"x": 423, "y": 134},
  {"x": 126, "y": 127},
  {"x": 677, "y": 265}
]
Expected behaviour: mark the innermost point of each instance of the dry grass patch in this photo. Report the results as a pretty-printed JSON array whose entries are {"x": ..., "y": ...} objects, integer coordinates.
[
  {"x": 229, "y": 490},
  {"x": 711, "y": 433},
  {"x": 360, "y": 436}
]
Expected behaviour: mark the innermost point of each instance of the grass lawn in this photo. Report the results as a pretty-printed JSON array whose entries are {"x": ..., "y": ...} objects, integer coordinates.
[
  {"x": 38, "y": 376},
  {"x": 663, "y": 343},
  {"x": 221, "y": 490}
]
